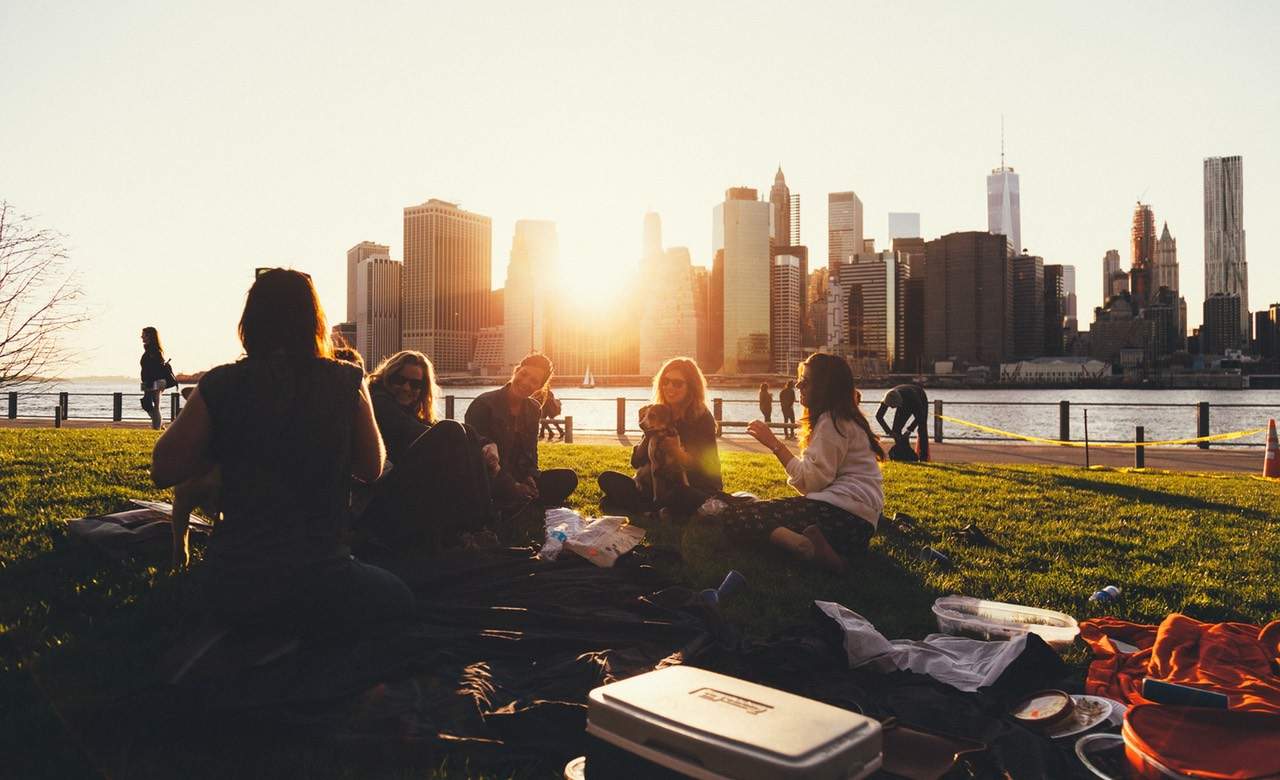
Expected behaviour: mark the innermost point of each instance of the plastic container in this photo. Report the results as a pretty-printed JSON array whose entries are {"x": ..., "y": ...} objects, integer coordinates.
[
  {"x": 1109, "y": 593},
  {"x": 707, "y": 725},
  {"x": 1162, "y": 740},
  {"x": 967, "y": 616}
]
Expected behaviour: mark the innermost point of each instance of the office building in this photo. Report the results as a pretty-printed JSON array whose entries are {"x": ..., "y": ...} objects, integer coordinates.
[
  {"x": 445, "y": 286},
  {"x": 844, "y": 228},
  {"x": 355, "y": 256},
  {"x": 490, "y": 358},
  {"x": 1117, "y": 329},
  {"x": 377, "y": 309},
  {"x": 969, "y": 299},
  {"x": 784, "y": 237},
  {"x": 1055, "y": 310},
  {"x": 1165, "y": 264},
  {"x": 1142, "y": 237},
  {"x": 912, "y": 250},
  {"x": 1266, "y": 329},
  {"x": 1004, "y": 207},
  {"x": 866, "y": 311},
  {"x": 1028, "y": 306},
  {"x": 535, "y": 252},
  {"x": 740, "y": 231},
  {"x": 700, "y": 281},
  {"x": 1225, "y": 268},
  {"x": 1220, "y": 330},
  {"x": 668, "y": 317},
  {"x": 786, "y": 290},
  {"x": 780, "y": 211},
  {"x": 1069, "y": 291},
  {"x": 1114, "y": 281},
  {"x": 912, "y": 325},
  {"x": 904, "y": 224}
]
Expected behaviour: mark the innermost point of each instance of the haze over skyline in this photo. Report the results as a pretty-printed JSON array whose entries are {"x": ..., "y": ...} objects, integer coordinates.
[{"x": 180, "y": 147}]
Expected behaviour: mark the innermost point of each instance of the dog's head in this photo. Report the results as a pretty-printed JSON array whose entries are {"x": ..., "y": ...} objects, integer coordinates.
[{"x": 656, "y": 417}]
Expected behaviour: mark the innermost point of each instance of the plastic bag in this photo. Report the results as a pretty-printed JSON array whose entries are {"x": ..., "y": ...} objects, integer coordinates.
[
  {"x": 560, "y": 524},
  {"x": 604, "y": 540}
]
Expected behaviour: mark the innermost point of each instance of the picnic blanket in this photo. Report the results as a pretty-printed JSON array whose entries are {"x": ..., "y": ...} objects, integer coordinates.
[{"x": 1237, "y": 659}]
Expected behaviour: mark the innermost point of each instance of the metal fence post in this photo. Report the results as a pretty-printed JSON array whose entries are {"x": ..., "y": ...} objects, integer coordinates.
[
  {"x": 57, "y": 416},
  {"x": 1202, "y": 423},
  {"x": 1064, "y": 421},
  {"x": 448, "y": 407},
  {"x": 13, "y": 406},
  {"x": 117, "y": 407},
  {"x": 62, "y": 401},
  {"x": 1140, "y": 452},
  {"x": 622, "y": 416},
  {"x": 174, "y": 400},
  {"x": 937, "y": 420},
  {"x": 717, "y": 411},
  {"x": 568, "y": 429}
]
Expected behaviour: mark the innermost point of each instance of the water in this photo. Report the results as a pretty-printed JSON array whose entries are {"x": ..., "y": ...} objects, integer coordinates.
[{"x": 1112, "y": 413}]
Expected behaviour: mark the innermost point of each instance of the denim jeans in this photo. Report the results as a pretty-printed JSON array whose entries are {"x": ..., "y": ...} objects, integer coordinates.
[{"x": 151, "y": 404}]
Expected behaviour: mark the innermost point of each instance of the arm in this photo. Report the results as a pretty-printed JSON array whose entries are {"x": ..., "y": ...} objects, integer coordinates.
[
  {"x": 762, "y": 433},
  {"x": 880, "y": 418},
  {"x": 182, "y": 451},
  {"x": 816, "y": 467},
  {"x": 640, "y": 453},
  {"x": 367, "y": 452}
]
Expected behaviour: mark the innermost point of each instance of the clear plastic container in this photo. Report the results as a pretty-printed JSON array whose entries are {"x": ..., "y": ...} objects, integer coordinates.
[{"x": 968, "y": 616}]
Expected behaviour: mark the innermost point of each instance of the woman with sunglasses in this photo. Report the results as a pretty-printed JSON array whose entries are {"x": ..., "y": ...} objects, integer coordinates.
[
  {"x": 290, "y": 427},
  {"x": 837, "y": 474},
  {"x": 437, "y": 489},
  {"x": 509, "y": 418},
  {"x": 680, "y": 385}
]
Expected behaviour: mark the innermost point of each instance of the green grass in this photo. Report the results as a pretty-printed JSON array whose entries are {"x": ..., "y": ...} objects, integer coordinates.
[{"x": 76, "y": 631}]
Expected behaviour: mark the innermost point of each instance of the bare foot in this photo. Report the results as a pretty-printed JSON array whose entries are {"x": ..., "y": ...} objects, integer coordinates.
[
  {"x": 823, "y": 554},
  {"x": 794, "y": 543}
]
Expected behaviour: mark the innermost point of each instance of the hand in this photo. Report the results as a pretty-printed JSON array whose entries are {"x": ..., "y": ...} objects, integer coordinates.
[
  {"x": 490, "y": 454},
  {"x": 181, "y": 553},
  {"x": 523, "y": 491},
  {"x": 532, "y": 485},
  {"x": 761, "y": 432}
]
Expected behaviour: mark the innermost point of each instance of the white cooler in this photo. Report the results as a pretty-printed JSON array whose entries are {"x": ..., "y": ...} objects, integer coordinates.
[{"x": 706, "y": 725}]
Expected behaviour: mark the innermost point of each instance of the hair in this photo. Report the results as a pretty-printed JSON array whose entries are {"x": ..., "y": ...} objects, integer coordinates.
[
  {"x": 831, "y": 391},
  {"x": 153, "y": 339},
  {"x": 283, "y": 314},
  {"x": 391, "y": 366},
  {"x": 541, "y": 362},
  {"x": 764, "y": 385},
  {"x": 350, "y": 355},
  {"x": 695, "y": 382}
]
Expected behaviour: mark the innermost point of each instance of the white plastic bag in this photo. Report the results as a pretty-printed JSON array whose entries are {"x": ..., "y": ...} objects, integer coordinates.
[
  {"x": 560, "y": 524},
  {"x": 604, "y": 539}
]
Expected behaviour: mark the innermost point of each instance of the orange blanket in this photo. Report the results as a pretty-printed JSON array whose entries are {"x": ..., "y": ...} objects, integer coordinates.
[{"x": 1237, "y": 659}]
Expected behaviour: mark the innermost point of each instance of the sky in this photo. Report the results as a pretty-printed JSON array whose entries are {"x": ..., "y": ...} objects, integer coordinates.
[{"x": 178, "y": 146}]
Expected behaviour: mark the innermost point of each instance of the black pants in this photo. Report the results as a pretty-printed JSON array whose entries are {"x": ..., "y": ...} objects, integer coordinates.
[
  {"x": 789, "y": 422},
  {"x": 905, "y": 416},
  {"x": 752, "y": 523},
  {"x": 439, "y": 491},
  {"x": 620, "y": 491},
  {"x": 555, "y": 486}
]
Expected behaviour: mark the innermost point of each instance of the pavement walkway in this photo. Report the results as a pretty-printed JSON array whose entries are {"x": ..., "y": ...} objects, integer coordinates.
[{"x": 1219, "y": 458}]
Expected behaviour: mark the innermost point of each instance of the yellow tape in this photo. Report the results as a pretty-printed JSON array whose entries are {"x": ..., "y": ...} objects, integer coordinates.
[{"x": 1057, "y": 442}]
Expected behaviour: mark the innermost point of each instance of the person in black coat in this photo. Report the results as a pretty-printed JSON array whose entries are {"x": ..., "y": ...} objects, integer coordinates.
[
  {"x": 508, "y": 417},
  {"x": 153, "y": 374},
  {"x": 911, "y": 415},
  {"x": 787, "y": 402}
]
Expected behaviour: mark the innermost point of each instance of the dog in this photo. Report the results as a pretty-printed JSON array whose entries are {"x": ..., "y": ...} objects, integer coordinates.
[
  {"x": 203, "y": 492},
  {"x": 665, "y": 470}
]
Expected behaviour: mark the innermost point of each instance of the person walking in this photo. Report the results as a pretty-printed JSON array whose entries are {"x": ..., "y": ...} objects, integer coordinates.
[
  {"x": 911, "y": 415},
  {"x": 787, "y": 402},
  {"x": 551, "y": 409},
  {"x": 154, "y": 373},
  {"x": 766, "y": 402}
]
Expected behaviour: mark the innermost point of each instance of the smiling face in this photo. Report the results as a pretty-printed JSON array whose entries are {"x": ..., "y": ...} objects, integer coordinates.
[
  {"x": 527, "y": 380},
  {"x": 408, "y": 384},
  {"x": 674, "y": 387}
]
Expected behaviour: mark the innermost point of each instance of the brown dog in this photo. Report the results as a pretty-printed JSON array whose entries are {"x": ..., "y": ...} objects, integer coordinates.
[{"x": 665, "y": 470}]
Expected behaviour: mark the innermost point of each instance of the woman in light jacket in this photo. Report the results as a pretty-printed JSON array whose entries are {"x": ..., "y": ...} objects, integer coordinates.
[{"x": 837, "y": 474}]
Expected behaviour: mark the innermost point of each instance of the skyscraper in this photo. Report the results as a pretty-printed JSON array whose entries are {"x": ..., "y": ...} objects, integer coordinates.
[
  {"x": 780, "y": 211},
  {"x": 786, "y": 285},
  {"x": 1165, "y": 266},
  {"x": 355, "y": 256},
  {"x": 1069, "y": 290},
  {"x": 1221, "y": 328},
  {"x": 1028, "y": 307},
  {"x": 968, "y": 298},
  {"x": 904, "y": 225},
  {"x": 866, "y": 310},
  {"x": 1114, "y": 281},
  {"x": 377, "y": 309},
  {"x": 1225, "y": 267},
  {"x": 444, "y": 290},
  {"x": 912, "y": 249},
  {"x": 1055, "y": 309},
  {"x": 740, "y": 228},
  {"x": 700, "y": 277},
  {"x": 1142, "y": 236},
  {"x": 1004, "y": 207},
  {"x": 844, "y": 229},
  {"x": 651, "y": 244},
  {"x": 535, "y": 250},
  {"x": 784, "y": 239},
  {"x": 668, "y": 318}
]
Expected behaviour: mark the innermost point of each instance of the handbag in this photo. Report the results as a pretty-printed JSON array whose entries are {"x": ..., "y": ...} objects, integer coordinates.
[{"x": 169, "y": 379}]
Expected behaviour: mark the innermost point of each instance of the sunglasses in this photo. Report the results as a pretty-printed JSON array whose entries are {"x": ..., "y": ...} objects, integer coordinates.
[
  {"x": 416, "y": 384},
  {"x": 672, "y": 381}
]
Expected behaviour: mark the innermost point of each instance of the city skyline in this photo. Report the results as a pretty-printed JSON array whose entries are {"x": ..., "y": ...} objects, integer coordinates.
[{"x": 158, "y": 137}]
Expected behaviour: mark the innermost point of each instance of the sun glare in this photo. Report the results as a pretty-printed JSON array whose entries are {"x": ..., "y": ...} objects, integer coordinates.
[{"x": 593, "y": 285}]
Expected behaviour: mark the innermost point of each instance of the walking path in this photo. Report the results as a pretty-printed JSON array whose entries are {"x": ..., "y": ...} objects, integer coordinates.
[{"x": 1230, "y": 459}]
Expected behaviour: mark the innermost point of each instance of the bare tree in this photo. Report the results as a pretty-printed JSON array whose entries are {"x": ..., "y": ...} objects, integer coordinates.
[{"x": 41, "y": 301}]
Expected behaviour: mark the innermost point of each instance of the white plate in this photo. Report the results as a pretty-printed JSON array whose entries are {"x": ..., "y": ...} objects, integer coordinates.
[{"x": 1089, "y": 712}]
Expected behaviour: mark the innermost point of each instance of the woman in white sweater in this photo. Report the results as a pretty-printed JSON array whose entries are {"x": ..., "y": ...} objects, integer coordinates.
[{"x": 837, "y": 474}]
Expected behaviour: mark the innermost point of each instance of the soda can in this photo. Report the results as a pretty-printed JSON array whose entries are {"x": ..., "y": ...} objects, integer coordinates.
[{"x": 1109, "y": 593}]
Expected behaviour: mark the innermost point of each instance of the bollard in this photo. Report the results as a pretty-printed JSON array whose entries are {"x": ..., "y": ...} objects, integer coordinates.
[
  {"x": 622, "y": 416},
  {"x": 62, "y": 401},
  {"x": 717, "y": 412},
  {"x": 1140, "y": 452},
  {"x": 57, "y": 416},
  {"x": 1202, "y": 423},
  {"x": 174, "y": 400},
  {"x": 1064, "y": 421},
  {"x": 568, "y": 429},
  {"x": 448, "y": 407},
  {"x": 117, "y": 407},
  {"x": 937, "y": 420},
  {"x": 13, "y": 406}
]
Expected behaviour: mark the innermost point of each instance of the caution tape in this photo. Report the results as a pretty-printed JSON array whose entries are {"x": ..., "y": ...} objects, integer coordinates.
[{"x": 1122, "y": 444}]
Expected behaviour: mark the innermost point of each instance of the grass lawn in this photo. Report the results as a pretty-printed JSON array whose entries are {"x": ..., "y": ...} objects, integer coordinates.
[{"x": 75, "y": 630}]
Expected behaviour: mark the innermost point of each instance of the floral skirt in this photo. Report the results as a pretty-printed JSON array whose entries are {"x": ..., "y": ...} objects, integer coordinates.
[{"x": 847, "y": 533}]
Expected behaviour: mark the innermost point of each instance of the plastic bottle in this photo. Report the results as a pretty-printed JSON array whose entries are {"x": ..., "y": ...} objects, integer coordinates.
[
  {"x": 934, "y": 556},
  {"x": 1109, "y": 593},
  {"x": 733, "y": 582}
]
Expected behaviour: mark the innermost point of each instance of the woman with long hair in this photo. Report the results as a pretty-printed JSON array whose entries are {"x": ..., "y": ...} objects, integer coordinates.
[
  {"x": 508, "y": 417},
  {"x": 289, "y": 427},
  {"x": 437, "y": 490},
  {"x": 837, "y": 474},
  {"x": 680, "y": 385},
  {"x": 153, "y": 374}
]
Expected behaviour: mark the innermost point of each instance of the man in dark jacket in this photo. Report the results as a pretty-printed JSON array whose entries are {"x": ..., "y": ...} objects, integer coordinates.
[{"x": 912, "y": 415}]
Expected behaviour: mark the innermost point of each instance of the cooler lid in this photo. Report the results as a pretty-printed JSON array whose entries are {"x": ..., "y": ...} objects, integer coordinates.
[
  {"x": 1207, "y": 743},
  {"x": 728, "y": 709}
]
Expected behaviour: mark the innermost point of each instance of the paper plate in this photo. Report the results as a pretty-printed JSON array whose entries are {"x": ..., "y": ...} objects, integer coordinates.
[{"x": 1089, "y": 712}]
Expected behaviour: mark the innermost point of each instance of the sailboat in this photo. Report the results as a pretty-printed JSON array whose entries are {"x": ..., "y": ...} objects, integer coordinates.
[{"x": 588, "y": 381}]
